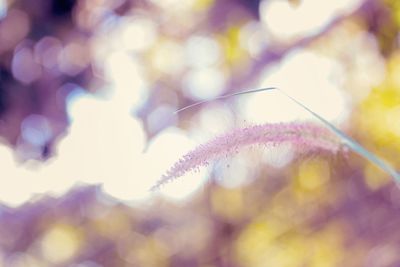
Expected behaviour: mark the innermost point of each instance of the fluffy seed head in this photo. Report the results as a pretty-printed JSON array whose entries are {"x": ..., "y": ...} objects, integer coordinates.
[{"x": 305, "y": 138}]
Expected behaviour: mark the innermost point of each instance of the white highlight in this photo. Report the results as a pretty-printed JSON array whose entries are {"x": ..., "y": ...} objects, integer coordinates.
[
  {"x": 105, "y": 145},
  {"x": 204, "y": 83},
  {"x": 312, "y": 79},
  {"x": 3, "y": 8},
  {"x": 138, "y": 34},
  {"x": 286, "y": 22},
  {"x": 202, "y": 51}
]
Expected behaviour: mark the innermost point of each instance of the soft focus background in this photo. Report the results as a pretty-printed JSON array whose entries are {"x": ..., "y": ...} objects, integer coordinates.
[{"x": 87, "y": 94}]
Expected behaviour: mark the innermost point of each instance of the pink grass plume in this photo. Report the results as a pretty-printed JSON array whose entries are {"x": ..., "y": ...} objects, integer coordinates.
[{"x": 305, "y": 138}]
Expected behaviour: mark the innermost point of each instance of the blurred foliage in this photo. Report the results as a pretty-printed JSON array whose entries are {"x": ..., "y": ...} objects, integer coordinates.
[{"x": 322, "y": 211}]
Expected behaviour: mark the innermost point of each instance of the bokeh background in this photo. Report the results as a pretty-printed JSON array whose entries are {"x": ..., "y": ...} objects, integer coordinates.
[{"x": 88, "y": 90}]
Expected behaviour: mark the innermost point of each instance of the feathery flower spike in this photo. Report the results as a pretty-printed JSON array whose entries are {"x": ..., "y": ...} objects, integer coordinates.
[
  {"x": 305, "y": 137},
  {"x": 190, "y": 162}
]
